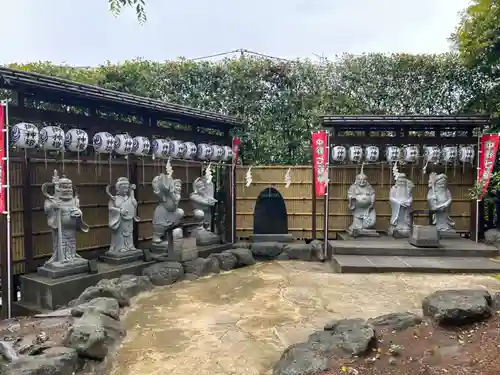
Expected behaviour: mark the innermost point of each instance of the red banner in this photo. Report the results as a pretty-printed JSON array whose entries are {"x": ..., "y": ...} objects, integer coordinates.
[
  {"x": 236, "y": 149},
  {"x": 2, "y": 155},
  {"x": 320, "y": 161},
  {"x": 488, "y": 147}
]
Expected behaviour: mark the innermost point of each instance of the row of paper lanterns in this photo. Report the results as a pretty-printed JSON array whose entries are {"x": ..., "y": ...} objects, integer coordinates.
[
  {"x": 53, "y": 138},
  {"x": 410, "y": 154}
]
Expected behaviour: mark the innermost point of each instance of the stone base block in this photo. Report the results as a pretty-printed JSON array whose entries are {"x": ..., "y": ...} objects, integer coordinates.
[
  {"x": 205, "y": 238},
  {"x": 45, "y": 293},
  {"x": 285, "y": 237},
  {"x": 424, "y": 236},
  {"x": 183, "y": 251},
  {"x": 449, "y": 235},
  {"x": 122, "y": 258},
  {"x": 363, "y": 233},
  {"x": 80, "y": 266}
]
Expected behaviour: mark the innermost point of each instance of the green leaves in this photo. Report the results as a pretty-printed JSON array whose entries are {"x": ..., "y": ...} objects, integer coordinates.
[
  {"x": 116, "y": 7},
  {"x": 281, "y": 102}
]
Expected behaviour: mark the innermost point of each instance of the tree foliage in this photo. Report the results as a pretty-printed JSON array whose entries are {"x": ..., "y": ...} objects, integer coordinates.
[
  {"x": 281, "y": 101},
  {"x": 478, "y": 36},
  {"x": 116, "y": 7}
]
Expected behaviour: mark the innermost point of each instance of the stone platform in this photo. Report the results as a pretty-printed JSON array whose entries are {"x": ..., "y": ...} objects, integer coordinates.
[
  {"x": 387, "y": 254},
  {"x": 41, "y": 293}
]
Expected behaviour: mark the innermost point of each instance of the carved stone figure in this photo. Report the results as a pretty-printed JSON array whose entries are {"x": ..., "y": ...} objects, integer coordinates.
[
  {"x": 65, "y": 219},
  {"x": 401, "y": 200},
  {"x": 439, "y": 199},
  {"x": 167, "y": 213},
  {"x": 122, "y": 215},
  {"x": 203, "y": 201},
  {"x": 361, "y": 201}
]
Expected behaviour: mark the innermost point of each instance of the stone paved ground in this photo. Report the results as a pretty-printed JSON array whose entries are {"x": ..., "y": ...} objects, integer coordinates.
[{"x": 239, "y": 322}]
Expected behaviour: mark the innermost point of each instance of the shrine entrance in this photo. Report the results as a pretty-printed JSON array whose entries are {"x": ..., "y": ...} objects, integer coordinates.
[{"x": 270, "y": 216}]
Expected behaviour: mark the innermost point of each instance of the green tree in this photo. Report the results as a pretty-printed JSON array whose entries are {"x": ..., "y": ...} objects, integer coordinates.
[
  {"x": 116, "y": 7},
  {"x": 477, "y": 36}
]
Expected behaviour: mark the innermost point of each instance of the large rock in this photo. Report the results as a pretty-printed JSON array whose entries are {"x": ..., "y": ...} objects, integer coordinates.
[
  {"x": 492, "y": 237},
  {"x": 267, "y": 250},
  {"x": 346, "y": 336},
  {"x": 103, "y": 305},
  {"x": 198, "y": 267},
  {"x": 106, "y": 291},
  {"x": 317, "y": 249},
  {"x": 227, "y": 261},
  {"x": 243, "y": 256},
  {"x": 52, "y": 361},
  {"x": 396, "y": 321},
  {"x": 457, "y": 307},
  {"x": 94, "y": 334},
  {"x": 128, "y": 285},
  {"x": 300, "y": 251},
  {"x": 301, "y": 359},
  {"x": 164, "y": 273}
]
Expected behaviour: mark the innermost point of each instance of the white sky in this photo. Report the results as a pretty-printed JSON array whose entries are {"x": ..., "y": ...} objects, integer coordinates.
[{"x": 84, "y": 33}]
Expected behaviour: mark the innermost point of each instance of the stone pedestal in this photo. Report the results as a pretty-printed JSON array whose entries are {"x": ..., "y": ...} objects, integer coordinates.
[
  {"x": 113, "y": 257},
  {"x": 57, "y": 270},
  {"x": 363, "y": 233},
  {"x": 206, "y": 238},
  {"x": 180, "y": 251},
  {"x": 424, "y": 236},
  {"x": 449, "y": 235}
]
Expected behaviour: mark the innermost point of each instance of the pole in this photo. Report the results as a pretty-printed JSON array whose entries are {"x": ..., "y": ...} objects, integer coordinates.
[
  {"x": 326, "y": 209},
  {"x": 477, "y": 180},
  {"x": 7, "y": 206}
]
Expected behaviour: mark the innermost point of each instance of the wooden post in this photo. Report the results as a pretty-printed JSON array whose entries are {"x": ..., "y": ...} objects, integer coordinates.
[
  {"x": 134, "y": 179},
  {"x": 28, "y": 217},
  {"x": 313, "y": 218},
  {"x": 4, "y": 267}
]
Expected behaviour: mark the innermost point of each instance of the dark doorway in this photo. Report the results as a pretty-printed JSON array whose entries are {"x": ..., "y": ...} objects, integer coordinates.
[{"x": 270, "y": 216}]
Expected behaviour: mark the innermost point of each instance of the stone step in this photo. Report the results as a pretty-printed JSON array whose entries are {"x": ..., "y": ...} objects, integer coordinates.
[{"x": 382, "y": 264}]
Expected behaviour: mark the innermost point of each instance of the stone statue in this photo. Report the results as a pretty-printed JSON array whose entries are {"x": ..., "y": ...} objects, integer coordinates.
[
  {"x": 401, "y": 200},
  {"x": 203, "y": 201},
  {"x": 65, "y": 219},
  {"x": 167, "y": 213},
  {"x": 439, "y": 199},
  {"x": 122, "y": 215},
  {"x": 361, "y": 201}
]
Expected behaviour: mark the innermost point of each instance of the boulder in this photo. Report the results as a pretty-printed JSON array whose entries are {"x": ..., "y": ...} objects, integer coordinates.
[
  {"x": 396, "y": 321},
  {"x": 213, "y": 265},
  {"x": 492, "y": 237},
  {"x": 94, "y": 334},
  {"x": 227, "y": 261},
  {"x": 52, "y": 361},
  {"x": 242, "y": 245},
  {"x": 128, "y": 285},
  {"x": 190, "y": 277},
  {"x": 243, "y": 256},
  {"x": 345, "y": 336},
  {"x": 282, "y": 256},
  {"x": 317, "y": 249},
  {"x": 457, "y": 307},
  {"x": 301, "y": 359},
  {"x": 198, "y": 266},
  {"x": 103, "y": 305},
  {"x": 267, "y": 250},
  {"x": 300, "y": 251},
  {"x": 107, "y": 291},
  {"x": 164, "y": 273}
]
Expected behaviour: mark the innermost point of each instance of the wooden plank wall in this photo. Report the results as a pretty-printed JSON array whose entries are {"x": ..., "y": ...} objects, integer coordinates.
[
  {"x": 90, "y": 180},
  {"x": 298, "y": 197}
]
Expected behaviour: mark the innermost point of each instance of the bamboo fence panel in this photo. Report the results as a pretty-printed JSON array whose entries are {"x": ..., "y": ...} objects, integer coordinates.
[{"x": 298, "y": 197}]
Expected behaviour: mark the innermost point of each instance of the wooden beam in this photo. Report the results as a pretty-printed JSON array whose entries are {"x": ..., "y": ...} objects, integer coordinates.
[
  {"x": 398, "y": 141},
  {"x": 28, "y": 217},
  {"x": 112, "y": 126}
]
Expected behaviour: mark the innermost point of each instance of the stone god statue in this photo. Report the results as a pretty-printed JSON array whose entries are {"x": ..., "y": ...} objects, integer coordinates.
[
  {"x": 203, "y": 202},
  {"x": 361, "y": 202},
  {"x": 167, "y": 212},
  {"x": 122, "y": 215},
  {"x": 65, "y": 219},
  {"x": 401, "y": 200},
  {"x": 439, "y": 199}
]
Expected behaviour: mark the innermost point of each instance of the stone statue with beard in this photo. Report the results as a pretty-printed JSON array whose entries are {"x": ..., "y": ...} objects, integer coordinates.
[
  {"x": 439, "y": 199},
  {"x": 401, "y": 200},
  {"x": 361, "y": 201}
]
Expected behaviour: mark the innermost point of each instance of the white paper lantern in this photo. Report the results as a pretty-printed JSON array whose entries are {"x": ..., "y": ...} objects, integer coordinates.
[
  {"x": 191, "y": 150},
  {"x": 52, "y": 138},
  {"x": 218, "y": 152},
  {"x": 76, "y": 140},
  {"x": 355, "y": 154},
  {"x": 204, "y": 151},
  {"x": 141, "y": 146},
  {"x": 103, "y": 142},
  {"x": 24, "y": 135},
  {"x": 392, "y": 154},
  {"x": 432, "y": 154},
  {"x": 123, "y": 144},
  {"x": 177, "y": 149},
  {"x": 339, "y": 153},
  {"x": 411, "y": 154},
  {"x": 466, "y": 154},
  {"x": 228, "y": 154},
  {"x": 161, "y": 148},
  {"x": 450, "y": 154},
  {"x": 372, "y": 154}
]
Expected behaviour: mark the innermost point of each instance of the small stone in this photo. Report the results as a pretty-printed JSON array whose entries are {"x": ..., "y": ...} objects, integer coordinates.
[{"x": 392, "y": 361}]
